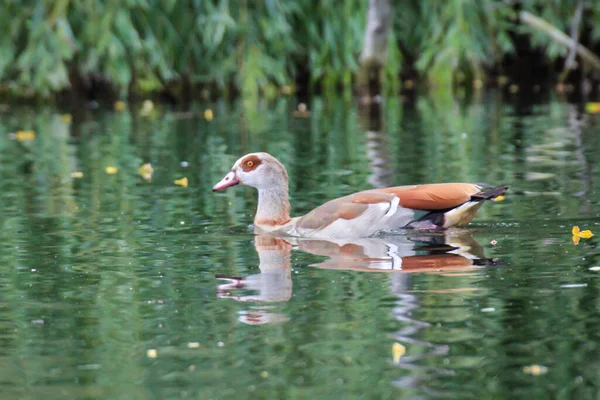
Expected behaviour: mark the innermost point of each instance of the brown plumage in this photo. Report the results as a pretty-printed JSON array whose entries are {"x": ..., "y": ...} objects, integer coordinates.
[
  {"x": 360, "y": 214},
  {"x": 438, "y": 196}
]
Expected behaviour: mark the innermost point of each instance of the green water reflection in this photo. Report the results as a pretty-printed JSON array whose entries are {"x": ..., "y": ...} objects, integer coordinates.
[{"x": 96, "y": 271}]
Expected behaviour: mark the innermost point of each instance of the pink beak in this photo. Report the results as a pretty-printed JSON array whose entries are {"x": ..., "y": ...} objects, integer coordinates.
[{"x": 229, "y": 180}]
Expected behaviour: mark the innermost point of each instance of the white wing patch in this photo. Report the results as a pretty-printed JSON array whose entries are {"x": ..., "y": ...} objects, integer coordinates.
[{"x": 393, "y": 206}]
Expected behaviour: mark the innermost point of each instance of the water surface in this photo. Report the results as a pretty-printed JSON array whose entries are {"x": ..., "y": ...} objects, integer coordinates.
[{"x": 115, "y": 287}]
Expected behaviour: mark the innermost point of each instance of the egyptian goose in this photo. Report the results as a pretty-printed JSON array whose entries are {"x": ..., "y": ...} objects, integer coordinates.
[{"x": 360, "y": 214}]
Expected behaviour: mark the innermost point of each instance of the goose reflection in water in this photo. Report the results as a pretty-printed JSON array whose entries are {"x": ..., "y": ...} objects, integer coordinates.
[
  {"x": 450, "y": 251},
  {"x": 273, "y": 284},
  {"x": 453, "y": 250}
]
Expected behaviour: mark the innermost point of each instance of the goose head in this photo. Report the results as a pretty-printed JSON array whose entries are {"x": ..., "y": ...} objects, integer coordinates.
[{"x": 259, "y": 170}]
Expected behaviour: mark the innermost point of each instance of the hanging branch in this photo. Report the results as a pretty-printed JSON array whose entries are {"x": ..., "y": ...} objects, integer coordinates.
[
  {"x": 570, "y": 62},
  {"x": 560, "y": 37}
]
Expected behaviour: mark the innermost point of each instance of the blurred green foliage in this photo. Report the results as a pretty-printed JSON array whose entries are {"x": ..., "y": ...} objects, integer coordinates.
[{"x": 256, "y": 47}]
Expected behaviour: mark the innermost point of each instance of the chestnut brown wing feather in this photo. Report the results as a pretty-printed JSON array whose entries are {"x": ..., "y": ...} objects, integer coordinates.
[{"x": 438, "y": 196}]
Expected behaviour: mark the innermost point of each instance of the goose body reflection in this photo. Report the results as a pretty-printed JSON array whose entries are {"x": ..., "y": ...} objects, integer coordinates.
[{"x": 453, "y": 250}]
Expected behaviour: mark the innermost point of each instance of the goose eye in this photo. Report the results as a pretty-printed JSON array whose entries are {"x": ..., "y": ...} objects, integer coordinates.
[{"x": 250, "y": 164}]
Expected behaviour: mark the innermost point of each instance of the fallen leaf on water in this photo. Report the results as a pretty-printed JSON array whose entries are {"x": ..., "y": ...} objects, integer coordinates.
[
  {"x": 182, "y": 182},
  {"x": 23, "y": 136},
  {"x": 208, "y": 114},
  {"x": 398, "y": 351},
  {"x": 535, "y": 369},
  {"x": 66, "y": 118},
  {"x": 579, "y": 234},
  {"x": 76, "y": 174},
  {"x": 111, "y": 170},
  {"x": 583, "y": 234},
  {"x": 193, "y": 345},
  {"x": 592, "y": 108},
  {"x": 499, "y": 198},
  {"x": 264, "y": 374},
  {"x": 151, "y": 353},
  {"x": 120, "y": 105},
  {"x": 146, "y": 171}
]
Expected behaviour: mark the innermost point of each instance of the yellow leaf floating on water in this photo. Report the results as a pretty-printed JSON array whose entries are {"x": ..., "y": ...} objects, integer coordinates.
[
  {"x": 182, "y": 182},
  {"x": 586, "y": 234},
  {"x": 592, "y": 108},
  {"x": 24, "y": 136},
  {"x": 151, "y": 353},
  {"x": 398, "y": 351},
  {"x": 66, "y": 119},
  {"x": 499, "y": 198},
  {"x": 208, "y": 114},
  {"x": 579, "y": 234},
  {"x": 111, "y": 170},
  {"x": 120, "y": 105},
  {"x": 76, "y": 174},
  {"x": 146, "y": 171},
  {"x": 535, "y": 370}
]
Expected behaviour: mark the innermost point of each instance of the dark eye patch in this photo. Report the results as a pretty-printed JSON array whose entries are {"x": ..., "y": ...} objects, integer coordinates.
[{"x": 250, "y": 163}]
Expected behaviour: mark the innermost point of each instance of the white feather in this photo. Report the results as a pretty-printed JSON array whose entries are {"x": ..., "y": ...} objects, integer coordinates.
[{"x": 393, "y": 206}]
